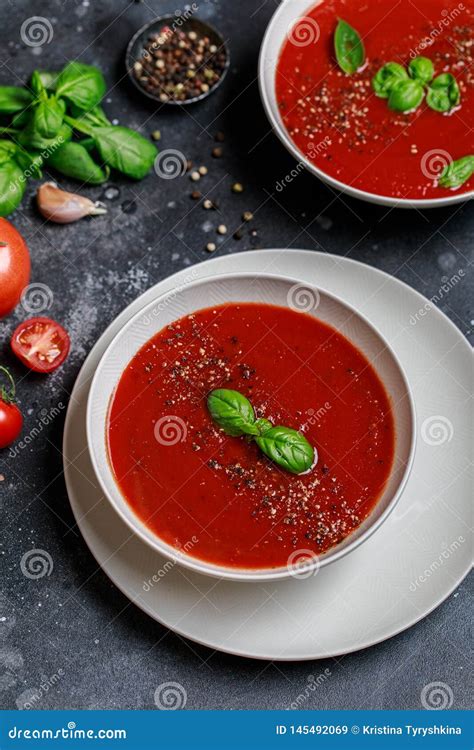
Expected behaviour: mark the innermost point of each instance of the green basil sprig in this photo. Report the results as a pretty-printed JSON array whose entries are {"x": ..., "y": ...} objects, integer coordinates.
[
  {"x": 457, "y": 173},
  {"x": 348, "y": 47},
  {"x": 443, "y": 93},
  {"x": 234, "y": 414},
  {"x": 43, "y": 120},
  {"x": 405, "y": 90}
]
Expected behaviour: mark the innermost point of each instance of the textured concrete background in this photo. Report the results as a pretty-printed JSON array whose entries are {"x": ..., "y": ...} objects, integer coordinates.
[{"x": 107, "y": 654}]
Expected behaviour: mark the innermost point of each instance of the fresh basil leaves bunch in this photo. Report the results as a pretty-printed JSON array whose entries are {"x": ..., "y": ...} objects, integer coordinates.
[
  {"x": 41, "y": 122},
  {"x": 405, "y": 90},
  {"x": 285, "y": 446}
]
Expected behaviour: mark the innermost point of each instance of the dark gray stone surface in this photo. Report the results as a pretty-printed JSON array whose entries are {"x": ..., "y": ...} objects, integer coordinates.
[{"x": 105, "y": 652}]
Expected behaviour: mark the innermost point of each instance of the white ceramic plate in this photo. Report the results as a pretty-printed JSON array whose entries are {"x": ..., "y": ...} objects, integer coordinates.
[
  {"x": 406, "y": 569},
  {"x": 275, "y": 35},
  {"x": 269, "y": 289}
]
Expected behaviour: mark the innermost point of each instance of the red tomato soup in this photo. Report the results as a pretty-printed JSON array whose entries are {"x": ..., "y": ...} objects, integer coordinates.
[
  {"x": 218, "y": 497},
  {"x": 351, "y": 134}
]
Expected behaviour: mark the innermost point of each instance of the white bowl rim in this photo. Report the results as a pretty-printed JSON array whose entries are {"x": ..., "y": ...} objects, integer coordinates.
[
  {"x": 220, "y": 571},
  {"x": 281, "y": 132}
]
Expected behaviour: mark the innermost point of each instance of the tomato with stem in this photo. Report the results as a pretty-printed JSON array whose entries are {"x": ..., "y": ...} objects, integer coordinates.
[{"x": 11, "y": 419}]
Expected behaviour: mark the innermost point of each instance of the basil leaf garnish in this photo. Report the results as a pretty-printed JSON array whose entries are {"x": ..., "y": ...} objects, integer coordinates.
[
  {"x": 232, "y": 411},
  {"x": 386, "y": 78},
  {"x": 457, "y": 173},
  {"x": 421, "y": 69},
  {"x": 443, "y": 93},
  {"x": 288, "y": 448},
  {"x": 406, "y": 96},
  {"x": 348, "y": 47}
]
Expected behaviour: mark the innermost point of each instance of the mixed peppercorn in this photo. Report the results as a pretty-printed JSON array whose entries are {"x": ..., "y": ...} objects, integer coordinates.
[{"x": 180, "y": 65}]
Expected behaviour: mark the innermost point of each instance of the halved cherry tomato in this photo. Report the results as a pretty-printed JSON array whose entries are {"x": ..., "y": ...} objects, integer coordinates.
[
  {"x": 14, "y": 266},
  {"x": 41, "y": 344},
  {"x": 11, "y": 420}
]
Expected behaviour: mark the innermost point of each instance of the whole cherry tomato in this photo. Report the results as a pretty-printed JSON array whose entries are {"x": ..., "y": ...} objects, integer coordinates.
[
  {"x": 14, "y": 266},
  {"x": 11, "y": 420}
]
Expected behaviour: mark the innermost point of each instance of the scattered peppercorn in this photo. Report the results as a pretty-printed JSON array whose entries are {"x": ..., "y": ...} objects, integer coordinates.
[
  {"x": 237, "y": 235},
  {"x": 195, "y": 176},
  {"x": 202, "y": 170},
  {"x": 217, "y": 152},
  {"x": 156, "y": 135},
  {"x": 195, "y": 195},
  {"x": 179, "y": 65},
  {"x": 222, "y": 229},
  {"x": 210, "y": 247},
  {"x": 237, "y": 187},
  {"x": 247, "y": 216},
  {"x": 220, "y": 137}
]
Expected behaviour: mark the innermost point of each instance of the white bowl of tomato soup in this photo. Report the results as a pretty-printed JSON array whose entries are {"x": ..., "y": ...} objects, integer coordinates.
[
  {"x": 341, "y": 125},
  {"x": 212, "y": 501}
]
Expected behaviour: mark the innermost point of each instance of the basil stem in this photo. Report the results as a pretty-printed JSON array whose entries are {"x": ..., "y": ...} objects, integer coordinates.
[
  {"x": 285, "y": 446},
  {"x": 386, "y": 78},
  {"x": 443, "y": 93},
  {"x": 406, "y": 96},
  {"x": 348, "y": 47},
  {"x": 457, "y": 173}
]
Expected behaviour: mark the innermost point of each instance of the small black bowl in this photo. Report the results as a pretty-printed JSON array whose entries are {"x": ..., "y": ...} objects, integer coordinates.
[{"x": 136, "y": 47}]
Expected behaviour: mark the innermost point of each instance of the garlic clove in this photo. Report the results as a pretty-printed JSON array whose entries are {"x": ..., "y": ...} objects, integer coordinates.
[{"x": 62, "y": 207}]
